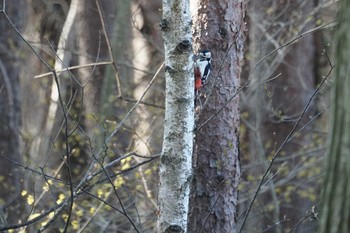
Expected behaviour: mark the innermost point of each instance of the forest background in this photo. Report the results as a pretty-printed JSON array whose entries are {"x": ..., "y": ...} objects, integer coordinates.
[{"x": 58, "y": 127}]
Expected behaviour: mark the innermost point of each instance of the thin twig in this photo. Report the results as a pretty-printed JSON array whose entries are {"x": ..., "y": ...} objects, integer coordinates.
[
  {"x": 74, "y": 68},
  {"x": 312, "y": 214},
  {"x": 25, "y": 167},
  {"x": 292, "y": 41},
  {"x": 32, "y": 221},
  {"x": 274, "y": 225},
  {"x": 113, "y": 186},
  {"x": 24, "y": 40},
  {"x": 110, "y": 50},
  {"x": 127, "y": 170},
  {"x": 118, "y": 127},
  {"x": 82, "y": 228},
  {"x": 67, "y": 145}
]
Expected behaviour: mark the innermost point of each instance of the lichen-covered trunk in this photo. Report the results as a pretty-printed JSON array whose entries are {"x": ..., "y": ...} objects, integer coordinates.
[
  {"x": 218, "y": 27},
  {"x": 176, "y": 160},
  {"x": 335, "y": 214}
]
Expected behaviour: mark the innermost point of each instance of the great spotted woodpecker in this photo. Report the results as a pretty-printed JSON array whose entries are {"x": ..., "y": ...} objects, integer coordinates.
[{"x": 202, "y": 69}]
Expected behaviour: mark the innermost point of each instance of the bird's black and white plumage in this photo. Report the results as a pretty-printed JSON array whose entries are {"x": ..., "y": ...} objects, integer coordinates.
[{"x": 203, "y": 63}]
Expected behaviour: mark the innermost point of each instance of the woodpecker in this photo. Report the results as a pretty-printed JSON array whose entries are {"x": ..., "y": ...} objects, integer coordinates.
[{"x": 202, "y": 69}]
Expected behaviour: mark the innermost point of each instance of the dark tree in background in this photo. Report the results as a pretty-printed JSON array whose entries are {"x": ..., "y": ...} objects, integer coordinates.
[
  {"x": 10, "y": 112},
  {"x": 335, "y": 212}
]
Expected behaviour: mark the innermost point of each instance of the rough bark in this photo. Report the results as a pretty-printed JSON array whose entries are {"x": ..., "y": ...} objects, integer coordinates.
[
  {"x": 218, "y": 27},
  {"x": 175, "y": 164},
  {"x": 335, "y": 212}
]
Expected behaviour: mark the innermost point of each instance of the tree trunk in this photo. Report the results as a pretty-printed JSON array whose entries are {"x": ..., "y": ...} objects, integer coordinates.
[
  {"x": 335, "y": 215},
  {"x": 63, "y": 57},
  {"x": 42, "y": 119},
  {"x": 10, "y": 112},
  {"x": 92, "y": 47},
  {"x": 176, "y": 160},
  {"x": 145, "y": 40},
  {"x": 217, "y": 168}
]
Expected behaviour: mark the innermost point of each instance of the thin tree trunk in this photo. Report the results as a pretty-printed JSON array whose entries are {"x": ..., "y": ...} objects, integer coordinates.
[
  {"x": 62, "y": 60},
  {"x": 217, "y": 168},
  {"x": 335, "y": 215},
  {"x": 176, "y": 160}
]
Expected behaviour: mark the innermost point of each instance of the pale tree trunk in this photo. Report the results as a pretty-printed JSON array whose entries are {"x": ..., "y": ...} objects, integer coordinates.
[
  {"x": 43, "y": 26},
  {"x": 335, "y": 212},
  {"x": 148, "y": 121},
  {"x": 62, "y": 60},
  {"x": 176, "y": 160},
  {"x": 213, "y": 203},
  {"x": 141, "y": 61},
  {"x": 146, "y": 58}
]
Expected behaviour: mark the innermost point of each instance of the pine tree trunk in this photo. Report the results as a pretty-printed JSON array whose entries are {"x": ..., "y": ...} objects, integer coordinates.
[{"x": 218, "y": 27}]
